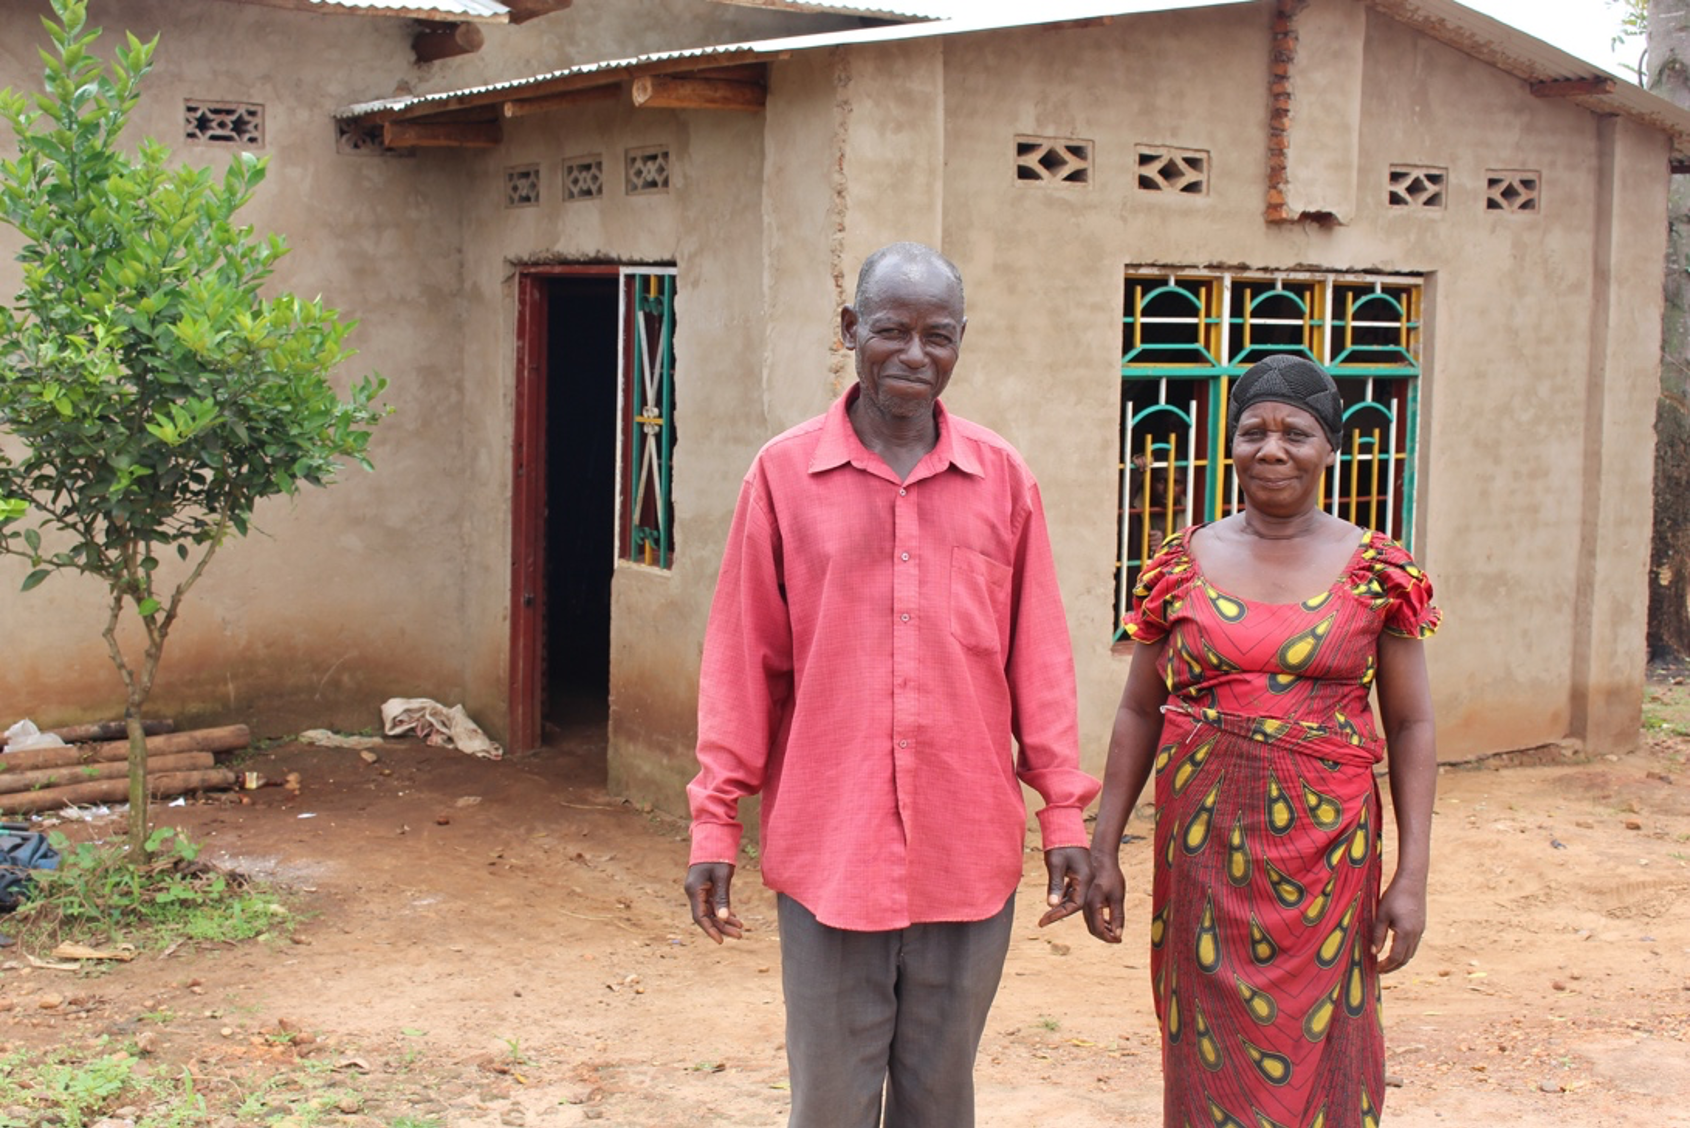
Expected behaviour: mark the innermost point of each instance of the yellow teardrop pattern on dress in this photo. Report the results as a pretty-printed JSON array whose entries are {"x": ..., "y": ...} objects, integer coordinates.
[
  {"x": 1216, "y": 662},
  {"x": 1228, "y": 608},
  {"x": 1355, "y": 984},
  {"x": 1222, "y": 1118},
  {"x": 1319, "y": 1120},
  {"x": 1316, "y": 908},
  {"x": 1324, "y": 811},
  {"x": 1317, "y": 602},
  {"x": 1286, "y": 890},
  {"x": 1188, "y": 658},
  {"x": 1159, "y": 927},
  {"x": 1208, "y": 946},
  {"x": 1237, "y": 854},
  {"x": 1258, "y": 1004},
  {"x": 1347, "y": 728},
  {"x": 1192, "y": 764},
  {"x": 1372, "y": 591},
  {"x": 1266, "y": 730},
  {"x": 1263, "y": 950},
  {"x": 1202, "y": 820},
  {"x": 1265, "y": 1121},
  {"x": 1299, "y": 650},
  {"x": 1369, "y": 671},
  {"x": 1282, "y": 683},
  {"x": 1319, "y": 1019},
  {"x": 1274, "y": 1068},
  {"x": 1280, "y": 816},
  {"x": 1331, "y": 949},
  {"x": 1369, "y": 1114},
  {"x": 1173, "y": 840},
  {"x": 1174, "y": 1025},
  {"x": 1361, "y": 840},
  {"x": 1208, "y": 1050},
  {"x": 1163, "y": 755}
]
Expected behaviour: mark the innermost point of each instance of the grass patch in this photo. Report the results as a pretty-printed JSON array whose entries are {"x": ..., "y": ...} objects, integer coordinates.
[
  {"x": 100, "y": 895},
  {"x": 72, "y": 1091}
]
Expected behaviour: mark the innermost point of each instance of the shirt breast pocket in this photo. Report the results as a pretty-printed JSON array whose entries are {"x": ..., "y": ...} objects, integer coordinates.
[{"x": 979, "y": 602}]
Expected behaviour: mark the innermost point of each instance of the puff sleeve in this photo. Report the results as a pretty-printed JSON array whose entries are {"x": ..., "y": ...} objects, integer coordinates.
[
  {"x": 1158, "y": 591},
  {"x": 1409, "y": 611}
]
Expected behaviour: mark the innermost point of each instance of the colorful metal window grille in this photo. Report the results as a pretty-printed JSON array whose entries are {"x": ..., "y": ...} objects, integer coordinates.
[
  {"x": 1186, "y": 335},
  {"x": 648, "y": 397}
]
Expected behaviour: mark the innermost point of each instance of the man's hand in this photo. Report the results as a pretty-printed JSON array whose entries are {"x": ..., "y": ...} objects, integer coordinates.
[
  {"x": 707, "y": 892},
  {"x": 1070, "y": 878},
  {"x": 1106, "y": 900}
]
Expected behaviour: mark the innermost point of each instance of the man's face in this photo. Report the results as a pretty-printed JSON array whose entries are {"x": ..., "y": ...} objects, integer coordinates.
[{"x": 906, "y": 338}]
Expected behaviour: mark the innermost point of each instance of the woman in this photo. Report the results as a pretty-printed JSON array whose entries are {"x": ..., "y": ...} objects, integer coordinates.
[{"x": 1262, "y": 635}]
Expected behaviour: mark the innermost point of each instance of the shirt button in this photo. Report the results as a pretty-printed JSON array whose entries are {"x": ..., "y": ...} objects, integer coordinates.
[
  {"x": 905, "y": 556},
  {"x": 906, "y": 616},
  {"x": 901, "y": 493},
  {"x": 903, "y": 744}
]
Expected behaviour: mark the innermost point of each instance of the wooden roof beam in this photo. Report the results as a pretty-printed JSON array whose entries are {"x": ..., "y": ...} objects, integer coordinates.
[
  {"x": 524, "y": 10},
  {"x": 442, "y": 135},
  {"x": 1573, "y": 88},
  {"x": 663, "y": 92},
  {"x": 446, "y": 41},
  {"x": 566, "y": 83},
  {"x": 522, "y": 107}
]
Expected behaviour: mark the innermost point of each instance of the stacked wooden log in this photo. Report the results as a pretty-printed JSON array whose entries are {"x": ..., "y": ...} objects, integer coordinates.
[{"x": 43, "y": 779}]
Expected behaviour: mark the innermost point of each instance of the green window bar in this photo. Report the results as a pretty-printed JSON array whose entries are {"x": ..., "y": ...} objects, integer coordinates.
[
  {"x": 648, "y": 517},
  {"x": 1187, "y": 334}
]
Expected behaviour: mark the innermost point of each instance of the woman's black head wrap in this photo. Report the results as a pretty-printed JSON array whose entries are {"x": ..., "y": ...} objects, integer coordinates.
[{"x": 1295, "y": 380}]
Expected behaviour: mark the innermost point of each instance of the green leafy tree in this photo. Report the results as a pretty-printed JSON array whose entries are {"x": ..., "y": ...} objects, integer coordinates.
[{"x": 150, "y": 394}]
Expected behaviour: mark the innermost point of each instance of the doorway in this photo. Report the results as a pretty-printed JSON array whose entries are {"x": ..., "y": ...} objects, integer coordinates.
[{"x": 564, "y": 497}]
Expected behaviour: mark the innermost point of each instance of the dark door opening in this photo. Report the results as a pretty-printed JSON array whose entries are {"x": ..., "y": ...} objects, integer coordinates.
[
  {"x": 582, "y": 381},
  {"x": 564, "y": 532}
]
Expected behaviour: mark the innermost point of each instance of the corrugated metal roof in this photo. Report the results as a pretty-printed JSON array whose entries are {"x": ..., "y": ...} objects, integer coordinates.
[
  {"x": 901, "y": 10},
  {"x": 1489, "y": 40},
  {"x": 481, "y": 10},
  {"x": 1053, "y": 11},
  {"x": 1532, "y": 60}
]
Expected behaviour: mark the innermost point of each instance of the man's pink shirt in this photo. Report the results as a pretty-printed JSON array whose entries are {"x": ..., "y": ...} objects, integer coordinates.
[{"x": 872, "y": 648}]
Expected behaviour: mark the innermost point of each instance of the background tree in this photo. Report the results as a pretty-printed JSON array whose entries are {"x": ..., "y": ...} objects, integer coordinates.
[
  {"x": 1667, "y": 26},
  {"x": 150, "y": 395}
]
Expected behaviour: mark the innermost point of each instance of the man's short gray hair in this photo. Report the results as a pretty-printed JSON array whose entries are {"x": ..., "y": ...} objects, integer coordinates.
[{"x": 869, "y": 277}]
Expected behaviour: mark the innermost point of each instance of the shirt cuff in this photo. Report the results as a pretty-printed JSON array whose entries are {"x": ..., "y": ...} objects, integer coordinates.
[
  {"x": 1058, "y": 827},
  {"x": 715, "y": 842}
]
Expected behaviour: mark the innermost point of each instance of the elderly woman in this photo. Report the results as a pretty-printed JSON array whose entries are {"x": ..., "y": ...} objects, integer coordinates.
[{"x": 1261, "y": 636}]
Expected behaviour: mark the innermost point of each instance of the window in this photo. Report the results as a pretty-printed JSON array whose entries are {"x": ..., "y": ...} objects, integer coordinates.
[
  {"x": 648, "y": 416},
  {"x": 1051, "y": 161},
  {"x": 1186, "y": 335},
  {"x": 223, "y": 123}
]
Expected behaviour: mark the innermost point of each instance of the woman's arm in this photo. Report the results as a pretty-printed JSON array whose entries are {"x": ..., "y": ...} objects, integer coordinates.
[
  {"x": 1405, "y": 706},
  {"x": 1132, "y": 750}
]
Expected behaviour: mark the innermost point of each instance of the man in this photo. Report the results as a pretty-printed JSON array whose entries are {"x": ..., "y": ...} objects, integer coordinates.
[{"x": 887, "y": 617}]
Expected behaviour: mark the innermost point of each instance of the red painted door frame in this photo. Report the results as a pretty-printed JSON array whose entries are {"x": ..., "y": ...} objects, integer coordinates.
[{"x": 528, "y": 501}]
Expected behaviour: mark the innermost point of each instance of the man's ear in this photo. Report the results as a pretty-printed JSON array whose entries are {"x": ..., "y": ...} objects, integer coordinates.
[{"x": 848, "y": 327}]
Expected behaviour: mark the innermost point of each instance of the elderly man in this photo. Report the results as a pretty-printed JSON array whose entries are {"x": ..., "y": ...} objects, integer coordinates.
[{"x": 887, "y": 617}]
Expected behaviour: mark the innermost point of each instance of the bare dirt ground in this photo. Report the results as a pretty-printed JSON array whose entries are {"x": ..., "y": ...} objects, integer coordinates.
[{"x": 504, "y": 944}]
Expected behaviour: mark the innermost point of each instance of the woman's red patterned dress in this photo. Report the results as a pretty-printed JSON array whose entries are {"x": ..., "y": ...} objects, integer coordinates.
[{"x": 1267, "y": 840}]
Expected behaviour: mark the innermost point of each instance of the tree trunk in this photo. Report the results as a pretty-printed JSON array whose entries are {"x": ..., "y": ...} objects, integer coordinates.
[
  {"x": 137, "y": 780},
  {"x": 1669, "y": 557}
]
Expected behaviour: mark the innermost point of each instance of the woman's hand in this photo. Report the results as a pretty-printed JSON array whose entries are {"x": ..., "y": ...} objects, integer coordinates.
[
  {"x": 1401, "y": 914},
  {"x": 1106, "y": 899}
]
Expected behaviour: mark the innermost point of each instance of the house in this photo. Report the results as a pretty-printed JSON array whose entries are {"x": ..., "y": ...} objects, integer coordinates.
[{"x": 601, "y": 255}]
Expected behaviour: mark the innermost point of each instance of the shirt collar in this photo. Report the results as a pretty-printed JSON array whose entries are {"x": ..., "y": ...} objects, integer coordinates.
[{"x": 840, "y": 445}]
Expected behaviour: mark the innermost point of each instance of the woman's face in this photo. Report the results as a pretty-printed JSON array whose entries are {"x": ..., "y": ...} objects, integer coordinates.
[{"x": 1279, "y": 453}]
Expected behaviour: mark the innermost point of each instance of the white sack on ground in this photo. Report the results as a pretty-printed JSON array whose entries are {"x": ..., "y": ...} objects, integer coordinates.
[
  {"x": 24, "y": 734},
  {"x": 437, "y": 724}
]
